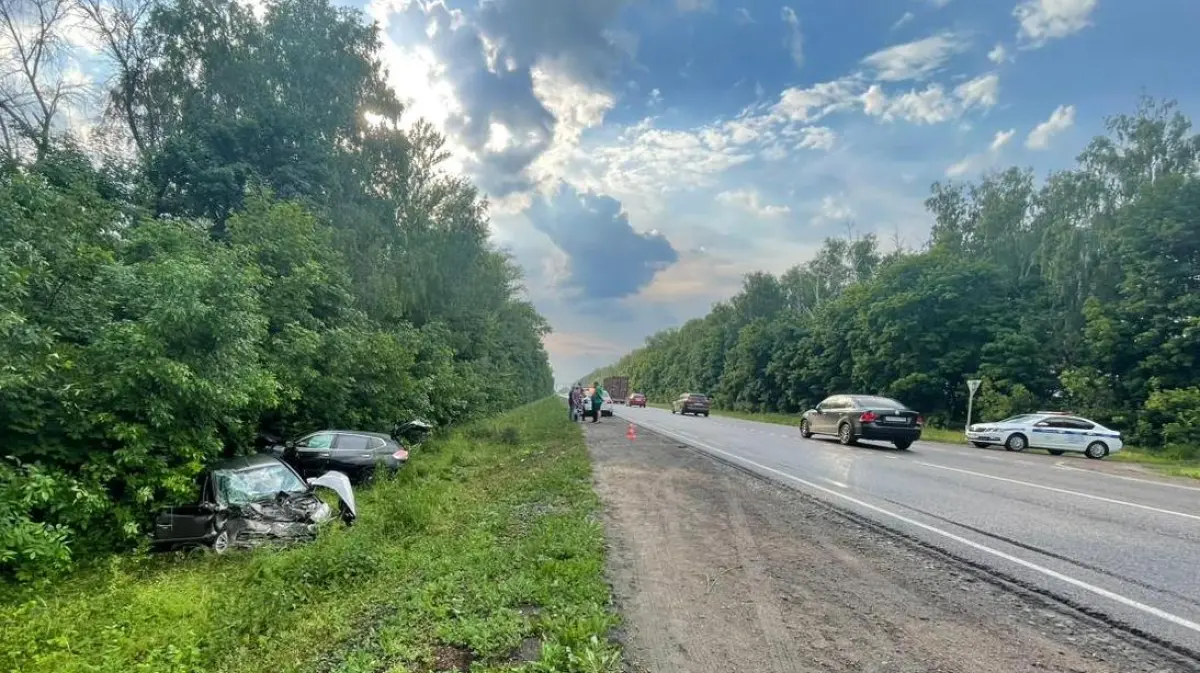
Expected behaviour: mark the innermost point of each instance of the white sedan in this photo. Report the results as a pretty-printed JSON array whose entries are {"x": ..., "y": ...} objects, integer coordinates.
[
  {"x": 1055, "y": 432},
  {"x": 606, "y": 407}
]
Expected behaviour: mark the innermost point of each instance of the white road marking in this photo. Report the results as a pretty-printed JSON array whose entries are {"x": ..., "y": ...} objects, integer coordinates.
[
  {"x": 835, "y": 483},
  {"x": 1054, "y": 574},
  {"x": 1121, "y": 476},
  {"x": 1064, "y": 491}
]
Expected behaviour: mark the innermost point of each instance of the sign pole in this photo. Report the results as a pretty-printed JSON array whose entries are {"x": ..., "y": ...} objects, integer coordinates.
[{"x": 972, "y": 386}]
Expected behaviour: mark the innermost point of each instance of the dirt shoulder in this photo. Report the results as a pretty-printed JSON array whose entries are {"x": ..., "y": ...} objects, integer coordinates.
[{"x": 716, "y": 570}]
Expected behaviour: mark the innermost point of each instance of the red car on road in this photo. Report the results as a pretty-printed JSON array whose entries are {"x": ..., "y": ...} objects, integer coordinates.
[{"x": 637, "y": 400}]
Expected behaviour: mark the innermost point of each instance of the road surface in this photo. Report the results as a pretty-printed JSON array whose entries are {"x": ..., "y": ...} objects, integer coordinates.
[{"x": 1125, "y": 549}]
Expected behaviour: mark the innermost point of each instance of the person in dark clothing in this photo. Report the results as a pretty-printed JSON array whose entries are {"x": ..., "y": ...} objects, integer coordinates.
[
  {"x": 574, "y": 401},
  {"x": 597, "y": 401}
]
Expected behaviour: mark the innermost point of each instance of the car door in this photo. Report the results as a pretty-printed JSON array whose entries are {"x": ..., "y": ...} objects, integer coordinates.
[
  {"x": 1074, "y": 433},
  {"x": 188, "y": 523},
  {"x": 351, "y": 452},
  {"x": 1048, "y": 433},
  {"x": 312, "y": 453},
  {"x": 821, "y": 420}
]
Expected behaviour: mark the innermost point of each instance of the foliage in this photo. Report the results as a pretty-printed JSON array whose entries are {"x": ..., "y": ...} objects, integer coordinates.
[
  {"x": 1080, "y": 293},
  {"x": 280, "y": 256},
  {"x": 477, "y": 545}
]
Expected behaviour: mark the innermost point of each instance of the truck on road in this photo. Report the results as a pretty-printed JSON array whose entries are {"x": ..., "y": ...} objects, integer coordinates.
[{"x": 618, "y": 388}]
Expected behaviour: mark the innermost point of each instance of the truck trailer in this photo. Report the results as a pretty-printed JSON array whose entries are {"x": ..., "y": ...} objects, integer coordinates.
[{"x": 618, "y": 388}]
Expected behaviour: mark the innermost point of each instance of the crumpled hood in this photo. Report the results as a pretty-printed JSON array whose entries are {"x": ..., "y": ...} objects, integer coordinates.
[{"x": 290, "y": 518}]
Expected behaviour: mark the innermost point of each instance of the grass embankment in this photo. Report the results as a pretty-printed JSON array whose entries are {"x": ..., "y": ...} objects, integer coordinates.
[
  {"x": 1170, "y": 466},
  {"x": 485, "y": 548}
]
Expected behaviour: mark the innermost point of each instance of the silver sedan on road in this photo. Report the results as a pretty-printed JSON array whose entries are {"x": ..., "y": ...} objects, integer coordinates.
[{"x": 1053, "y": 431}]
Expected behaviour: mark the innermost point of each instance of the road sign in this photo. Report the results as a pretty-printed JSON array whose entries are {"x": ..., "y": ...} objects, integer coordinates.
[{"x": 973, "y": 384}]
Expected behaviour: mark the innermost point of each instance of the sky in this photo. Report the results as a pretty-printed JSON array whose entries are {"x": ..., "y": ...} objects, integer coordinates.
[{"x": 641, "y": 156}]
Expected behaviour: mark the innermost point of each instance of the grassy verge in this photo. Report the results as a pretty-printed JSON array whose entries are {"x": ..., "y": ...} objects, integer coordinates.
[
  {"x": 1166, "y": 465},
  {"x": 484, "y": 553}
]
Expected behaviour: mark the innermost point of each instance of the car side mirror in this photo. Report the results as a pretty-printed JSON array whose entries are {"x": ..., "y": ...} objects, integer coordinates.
[{"x": 208, "y": 507}]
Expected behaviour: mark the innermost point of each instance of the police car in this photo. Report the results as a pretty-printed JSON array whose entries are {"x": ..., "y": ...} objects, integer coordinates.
[{"x": 1053, "y": 431}]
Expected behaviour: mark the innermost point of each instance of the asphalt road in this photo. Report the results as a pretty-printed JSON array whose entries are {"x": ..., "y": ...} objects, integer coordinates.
[{"x": 1125, "y": 547}]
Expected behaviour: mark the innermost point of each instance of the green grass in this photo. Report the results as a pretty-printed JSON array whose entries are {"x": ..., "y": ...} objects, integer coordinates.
[
  {"x": 486, "y": 545},
  {"x": 1165, "y": 464}
]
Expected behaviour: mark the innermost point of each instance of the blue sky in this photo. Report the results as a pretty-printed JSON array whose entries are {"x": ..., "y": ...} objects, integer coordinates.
[{"x": 642, "y": 155}]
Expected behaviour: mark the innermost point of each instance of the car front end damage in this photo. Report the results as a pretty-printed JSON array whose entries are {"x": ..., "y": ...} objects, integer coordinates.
[{"x": 289, "y": 517}]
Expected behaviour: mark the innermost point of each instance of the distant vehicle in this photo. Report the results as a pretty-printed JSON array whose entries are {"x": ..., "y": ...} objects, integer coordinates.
[
  {"x": 618, "y": 388},
  {"x": 606, "y": 407},
  {"x": 637, "y": 400},
  {"x": 1056, "y": 432},
  {"x": 356, "y": 453},
  {"x": 855, "y": 417},
  {"x": 249, "y": 501},
  {"x": 691, "y": 403}
]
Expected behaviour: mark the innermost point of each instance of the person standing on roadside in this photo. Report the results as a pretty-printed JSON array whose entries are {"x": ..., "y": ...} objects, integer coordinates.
[
  {"x": 574, "y": 400},
  {"x": 597, "y": 401}
]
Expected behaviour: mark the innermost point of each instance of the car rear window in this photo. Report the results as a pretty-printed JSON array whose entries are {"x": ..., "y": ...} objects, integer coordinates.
[{"x": 875, "y": 401}]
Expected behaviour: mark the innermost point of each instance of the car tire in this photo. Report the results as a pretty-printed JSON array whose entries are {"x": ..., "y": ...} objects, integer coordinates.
[
  {"x": 672, "y": 411},
  {"x": 902, "y": 444},
  {"x": 1055, "y": 452},
  {"x": 1096, "y": 450},
  {"x": 706, "y": 414},
  {"x": 980, "y": 445},
  {"x": 1016, "y": 442},
  {"x": 222, "y": 542},
  {"x": 805, "y": 431},
  {"x": 846, "y": 434}
]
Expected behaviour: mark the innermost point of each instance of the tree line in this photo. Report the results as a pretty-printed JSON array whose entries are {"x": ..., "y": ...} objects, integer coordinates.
[
  {"x": 248, "y": 242},
  {"x": 1079, "y": 292}
]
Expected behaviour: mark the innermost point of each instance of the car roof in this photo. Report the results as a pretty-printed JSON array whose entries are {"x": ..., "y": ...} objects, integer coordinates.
[
  {"x": 247, "y": 462},
  {"x": 381, "y": 435}
]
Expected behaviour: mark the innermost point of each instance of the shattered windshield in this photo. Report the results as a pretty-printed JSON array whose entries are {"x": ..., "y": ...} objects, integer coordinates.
[{"x": 242, "y": 487}]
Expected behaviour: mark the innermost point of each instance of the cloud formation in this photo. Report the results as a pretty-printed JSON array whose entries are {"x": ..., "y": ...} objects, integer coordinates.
[
  {"x": 915, "y": 60},
  {"x": 1060, "y": 120},
  {"x": 751, "y": 201},
  {"x": 1043, "y": 20},
  {"x": 795, "y": 39},
  {"x": 606, "y": 258}
]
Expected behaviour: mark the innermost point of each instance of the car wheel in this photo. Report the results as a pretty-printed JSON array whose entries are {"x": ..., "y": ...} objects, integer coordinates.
[
  {"x": 845, "y": 434},
  {"x": 805, "y": 432},
  {"x": 222, "y": 542},
  {"x": 980, "y": 445},
  {"x": 1096, "y": 450},
  {"x": 706, "y": 414},
  {"x": 1016, "y": 442},
  {"x": 1055, "y": 452},
  {"x": 903, "y": 444}
]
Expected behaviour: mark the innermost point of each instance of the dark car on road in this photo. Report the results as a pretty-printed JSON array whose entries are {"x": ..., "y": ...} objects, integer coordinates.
[
  {"x": 637, "y": 400},
  {"x": 358, "y": 454},
  {"x": 248, "y": 501},
  {"x": 854, "y": 417},
  {"x": 691, "y": 403}
]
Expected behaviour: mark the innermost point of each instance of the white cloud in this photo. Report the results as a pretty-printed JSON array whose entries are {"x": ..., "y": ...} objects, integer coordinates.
[
  {"x": 930, "y": 106},
  {"x": 1044, "y": 20},
  {"x": 751, "y": 201},
  {"x": 1001, "y": 139},
  {"x": 817, "y": 101},
  {"x": 982, "y": 160},
  {"x": 915, "y": 60},
  {"x": 795, "y": 39},
  {"x": 1060, "y": 120},
  {"x": 904, "y": 18},
  {"x": 742, "y": 16},
  {"x": 939, "y": 3},
  {"x": 655, "y": 98},
  {"x": 833, "y": 209},
  {"x": 980, "y": 92},
  {"x": 817, "y": 138},
  {"x": 998, "y": 54},
  {"x": 695, "y": 5}
]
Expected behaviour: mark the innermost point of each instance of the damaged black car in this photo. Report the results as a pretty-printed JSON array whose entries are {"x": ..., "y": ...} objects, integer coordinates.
[{"x": 251, "y": 501}]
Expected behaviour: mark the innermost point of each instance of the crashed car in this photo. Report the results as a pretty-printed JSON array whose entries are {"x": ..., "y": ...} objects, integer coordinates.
[
  {"x": 356, "y": 453},
  {"x": 251, "y": 501}
]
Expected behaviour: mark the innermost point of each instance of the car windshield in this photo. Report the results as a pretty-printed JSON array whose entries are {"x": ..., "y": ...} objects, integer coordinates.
[
  {"x": 240, "y": 487},
  {"x": 1020, "y": 418},
  {"x": 872, "y": 401}
]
